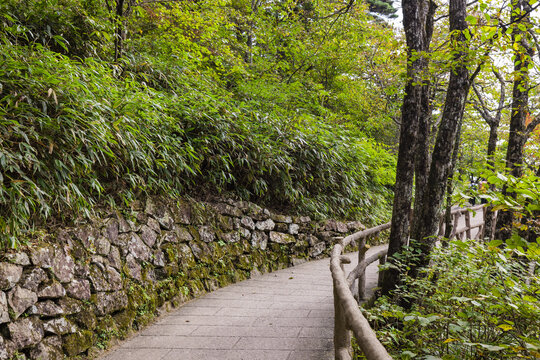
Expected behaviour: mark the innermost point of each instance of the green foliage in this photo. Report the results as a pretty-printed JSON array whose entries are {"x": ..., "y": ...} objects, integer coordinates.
[
  {"x": 476, "y": 301},
  {"x": 521, "y": 196},
  {"x": 69, "y": 27},
  {"x": 525, "y": 190},
  {"x": 384, "y": 7},
  {"x": 183, "y": 111},
  {"x": 505, "y": 192},
  {"x": 74, "y": 135}
]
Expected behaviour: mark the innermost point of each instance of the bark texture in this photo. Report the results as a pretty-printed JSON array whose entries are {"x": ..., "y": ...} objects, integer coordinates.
[
  {"x": 415, "y": 23},
  {"x": 426, "y": 224},
  {"x": 449, "y": 227},
  {"x": 423, "y": 154},
  {"x": 520, "y": 98}
]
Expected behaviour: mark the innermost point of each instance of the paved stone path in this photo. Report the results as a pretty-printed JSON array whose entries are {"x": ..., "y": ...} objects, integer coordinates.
[{"x": 284, "y": 315}]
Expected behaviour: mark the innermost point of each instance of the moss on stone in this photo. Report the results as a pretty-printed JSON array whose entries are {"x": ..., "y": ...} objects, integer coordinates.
[
  {"x": 166, "y": 290},
  {"x": 124, "y": 322},
  {"x": 196, "y": 287},
  {"x": 78, "y": 342},
  {"x": 171, "y": 253},
  {"x": 207, "y": 259},
  {"x": 194, "y": 233},
  {"x": 180, "y": 280},
  {"x": 244, "y": 262},
  {"x": 300, "y": 247},
  {"x": 105, "y": 330},
  {"x": 142, "y": 320},
  {"x": 218, "y": 251},
  {"x": 236, "y": 249},
  {"x": 273, "y": 266},
  {"x": 187, "y": 260},
  {"x": 141, "y": 300},
  {"x": 224, "y": 223},
  {"x": 239, "y": 275},
  {"x": 200, "y": 272},
  {"x": 223, "y": 280},
  {"x": 222, "y": 266},
  {"x": 200, "y": 214},
  {"x": 86, "y": 319},
  {"x": 169, "y": 270},
  {"x": 246, "y": 246},
  {"x": 274, "y": 250},
  {"x": 257, "y": 258}
]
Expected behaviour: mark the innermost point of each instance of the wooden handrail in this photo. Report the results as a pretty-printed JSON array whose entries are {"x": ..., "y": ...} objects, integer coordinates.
[{"x": 348, "y": 316}]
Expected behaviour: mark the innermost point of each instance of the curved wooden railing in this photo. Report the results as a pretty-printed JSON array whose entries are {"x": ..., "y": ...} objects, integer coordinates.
[
  {"x": 464, "y": 231},
  {"x": 347, "y": 314}
]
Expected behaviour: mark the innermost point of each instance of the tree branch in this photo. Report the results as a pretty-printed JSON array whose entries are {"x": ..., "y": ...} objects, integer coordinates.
[
  {"x": 339, "y": 12},
  {"x": 482, "y": 109},
  {"x": 502, "y": 96}
]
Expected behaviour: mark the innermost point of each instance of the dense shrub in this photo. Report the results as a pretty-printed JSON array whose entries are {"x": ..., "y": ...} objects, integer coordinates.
[
  {"x": 476, "y": 301},
  {"x": 70, "y": 27},
  {"x": 79, "y": 133},
  {"x": 184, "y": 109}
]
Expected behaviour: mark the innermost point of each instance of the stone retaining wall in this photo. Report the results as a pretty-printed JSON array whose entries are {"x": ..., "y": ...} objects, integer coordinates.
[{"x": 72, "y": 293}]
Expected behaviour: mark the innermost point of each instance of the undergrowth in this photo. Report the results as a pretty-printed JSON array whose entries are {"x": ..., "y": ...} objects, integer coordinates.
[
  {"x": 476, "y": 301},
  {"x": 77, "y": 133}
]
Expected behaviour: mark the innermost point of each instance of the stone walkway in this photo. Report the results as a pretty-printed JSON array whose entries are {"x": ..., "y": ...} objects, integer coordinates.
[{"x": 284, "y": 315}]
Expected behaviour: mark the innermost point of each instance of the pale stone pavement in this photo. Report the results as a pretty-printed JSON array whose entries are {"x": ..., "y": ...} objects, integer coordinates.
[{"x": 284, "y": 315}]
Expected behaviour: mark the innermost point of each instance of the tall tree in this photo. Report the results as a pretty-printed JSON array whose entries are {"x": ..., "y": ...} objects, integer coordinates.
[
  {"x": 417, "y": 17},
  {"x": 519, "y": 130},
  {"x": 427, "y": 221},
  {"x": 493, "y": 122},
  {"x": 423, "y": 156}
]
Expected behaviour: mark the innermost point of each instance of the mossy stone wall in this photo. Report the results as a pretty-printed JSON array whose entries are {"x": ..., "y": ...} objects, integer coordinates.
[{"x": 73, "y": 292}]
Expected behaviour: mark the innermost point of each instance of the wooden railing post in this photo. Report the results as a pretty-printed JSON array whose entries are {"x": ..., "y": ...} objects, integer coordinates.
[
  {"x": 441, "y": 226},
  {"x": 342, "y": 336},
  {"x": 480, "y": 234},
  {"x": 468, "y": 223},
  {"x": 362, "y": 276},
  {"x": 454, "y": 227},
  {"x": 342, "y": 333}
]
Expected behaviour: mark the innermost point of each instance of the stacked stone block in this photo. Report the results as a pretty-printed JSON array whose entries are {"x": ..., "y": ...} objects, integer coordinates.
[{"x": 73, "y": 292}]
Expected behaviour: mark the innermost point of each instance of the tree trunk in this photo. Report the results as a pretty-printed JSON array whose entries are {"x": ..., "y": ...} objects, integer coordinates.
[
  {"x": 415, "y": 14},
  {"x": 458, "y": 88},
  {"x": 423, "y": 158},
  {"x": 448, "y": 209},
  {"x": 489, "y": 215},
  {"x": 493, "y": 122},
  {"x": 119, "y": 30},
  {"x": 520, "y": 98}
]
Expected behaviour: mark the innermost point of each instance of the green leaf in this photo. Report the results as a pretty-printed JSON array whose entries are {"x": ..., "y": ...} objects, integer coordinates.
[
  {"x": 492, "y": 347},
  {"x": 471, "y": 20},
  {"x": 505, "y": 327},
  {"x": 495, "y": 243}
]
